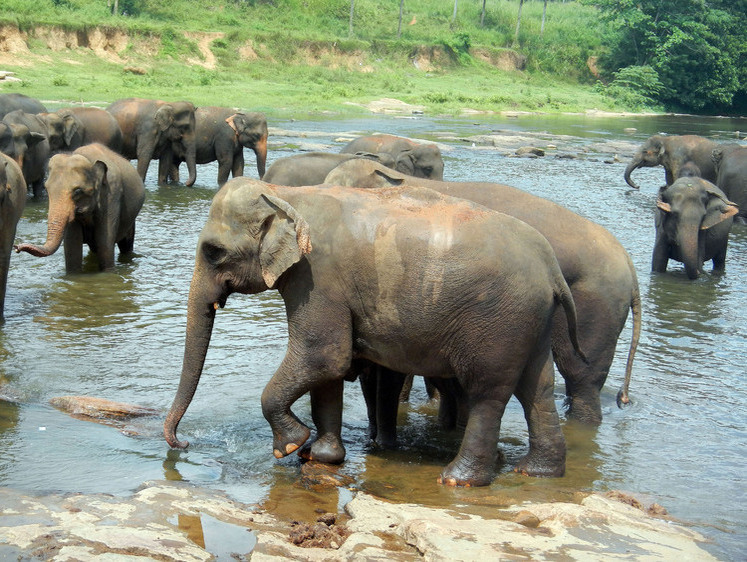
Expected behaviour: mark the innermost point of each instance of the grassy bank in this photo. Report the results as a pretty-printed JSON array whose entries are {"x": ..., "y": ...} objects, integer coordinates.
[{"x": 289, "y": 57}]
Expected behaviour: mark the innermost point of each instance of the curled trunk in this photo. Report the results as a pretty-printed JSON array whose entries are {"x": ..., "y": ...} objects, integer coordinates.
[
  {"x": 260, "y": 150},
  {"x": 636, "y": 163},
  {"x": 60, "y": 215}
]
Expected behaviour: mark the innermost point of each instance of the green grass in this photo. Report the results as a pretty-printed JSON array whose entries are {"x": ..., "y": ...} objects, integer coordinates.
[{"x": 305, "y": 52}]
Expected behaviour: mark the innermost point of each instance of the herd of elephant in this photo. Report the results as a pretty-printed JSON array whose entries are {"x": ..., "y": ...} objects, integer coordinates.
[{"x": 386, "y": 270}]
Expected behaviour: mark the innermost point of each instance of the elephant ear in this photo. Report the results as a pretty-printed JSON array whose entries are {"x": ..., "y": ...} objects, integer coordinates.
[
  {"x": 164, "y": 117},
  {"x": 405, "y": 162},
  {"x": 232, "y": 123},
  {"x": 716, "y": 155},
  {"x": 70, "y": 126},
  {"x": 285, "y": 239},
  {"x": 101, "y": 184},
  {"x": 719, "y": 208}
]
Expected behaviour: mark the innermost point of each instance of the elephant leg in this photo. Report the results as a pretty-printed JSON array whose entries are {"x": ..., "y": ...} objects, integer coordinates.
[
  {"x": 224, "y": 168},
  {"x": 546, "y": 455},
  {"x": 326, "y": 412},
  {"x": 127, "y": 243},
  {"x": 660, "y": 257},
  {"x": 719, "y": 261},
  {"x": 404, "y": 394},
  {"x": 144, "y": 156},
  {"x": 173, "y": 173},
  {"x": 73, "y": 246},
  {"x": 369, "y": 381},
  {"x": 388, "y": 389},
  {"x": 238, "y": 165}
]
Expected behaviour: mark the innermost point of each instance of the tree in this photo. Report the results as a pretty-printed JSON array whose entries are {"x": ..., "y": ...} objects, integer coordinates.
[
  {"x": 518, "y": 23},
  {"x": 482, "y": 15},
  {"x": 399, "y": 26},
  {"x": 453, "y": 18},
  {"x": 350, "y": 24},
  {"x": 544, "y": 13},
  {"x": 698, "y": 49}
]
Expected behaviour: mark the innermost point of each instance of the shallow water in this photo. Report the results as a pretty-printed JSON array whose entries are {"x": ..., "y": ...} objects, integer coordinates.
[{"x": 119, "y": 335}]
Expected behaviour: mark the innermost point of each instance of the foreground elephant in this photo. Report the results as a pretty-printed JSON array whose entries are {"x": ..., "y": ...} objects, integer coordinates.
[
  {"x": 73, "y": 127},
  {"x": 310, "y": 168},
  {"x": 222, "y": 134},
  {"x": 35, "y": 161},
  {"x": 411, "y": 158},
  {"x": 11, "y": 102},
  {"x": 731, "y": 178},
  {"x": 12, "y": 202},
  {"x": 409, "y": 279},
  {"x": 673, "y": 152},
  {"x": 597, "y": 268},
  {"x": 692, "y": 226},
  {"x": 157, "y": 129},
  {"x": 95, "y": 196}
]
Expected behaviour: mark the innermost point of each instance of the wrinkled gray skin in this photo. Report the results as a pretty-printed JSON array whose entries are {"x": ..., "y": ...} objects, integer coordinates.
[
  {"x": 157, "y": 129},
  {"x": 731, "y": 178},
  {"x": 222, "y": 134},
  {"x": 37, "y": 154},
  {"x": 600, "y": 275},
  {"x": 692, "y": 226},
  {"x": 673, "y": 152},
  {"x": 11, "y": 102},
  {"x": 408, "y": 279},
  {"x": 71, "y": 128},
  {"x": 310, "y": 168},
  {"x": 95, "y": 196},
  {"x": 12, "y": 202},
  {"x": 411, "y": 158}
]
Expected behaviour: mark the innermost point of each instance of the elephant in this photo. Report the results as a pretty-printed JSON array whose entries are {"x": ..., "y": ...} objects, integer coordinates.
[
  {"x": 37, "y": 154},
  {"x": 409, "y": 279},
  {"x": 410, "y": 157},
  {"x": 157, "y": 129},
  {"x": 693, "y": 220},
  {"x": 673, "y": 152},
  {"x": 95, "y": 196},
  {"x": 15, "y": 141},
  {"x": 71, "y": 128},
  {"x": 731, "y": 177},
  {"x": 12, "y": 202},
  {"x": 222, "y": 134},
  {"x": 310, "y": 168},
  {"x": 597, "y": 268},
  {"x": 11, "y": 102}
]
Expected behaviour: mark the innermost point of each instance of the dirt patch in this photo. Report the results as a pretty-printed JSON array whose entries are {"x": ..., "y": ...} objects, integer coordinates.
[
  {"x": 203, "y": 43},
  {"x": 322, "y": 534},
  {"x": 428, "y": 58},
  {"x": 505, "y": 59}
]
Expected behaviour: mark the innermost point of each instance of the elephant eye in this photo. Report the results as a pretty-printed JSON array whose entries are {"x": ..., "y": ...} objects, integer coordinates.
[
  {"x": 78, "y": 192},
  {"x": 214, "y": 254}
]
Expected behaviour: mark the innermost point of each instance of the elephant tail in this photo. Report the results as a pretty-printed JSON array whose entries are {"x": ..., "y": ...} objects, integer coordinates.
[
  {"x": 565, "y": 298},
  {"x": 635, "y": 307}
]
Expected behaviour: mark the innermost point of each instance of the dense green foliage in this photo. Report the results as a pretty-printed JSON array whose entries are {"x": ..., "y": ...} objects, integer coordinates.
[{"x": 694, "y": 52}]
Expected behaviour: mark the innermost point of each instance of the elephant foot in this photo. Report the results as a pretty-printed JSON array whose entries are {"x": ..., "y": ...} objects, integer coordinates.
[
  {"x": 542, "y": 465},
  {"x": 289, "y": 442},
  {"x": 327, "y": 449},
  {"x": 585, "y": 409},
  {"x": 462, "y": 473}
]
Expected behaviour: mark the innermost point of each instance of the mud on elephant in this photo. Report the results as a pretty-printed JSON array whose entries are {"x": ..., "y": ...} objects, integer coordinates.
[
  {"x": 222, "y": 134},
  {"x": 409, "y": 279},
  {"x": 95, "y": 196},
  {"x": 157, "y": 129},
  {"x": 410, "y": 157},
  {"x": 600, "y": 275},
  {"x": 12, "y": 202},
  {"x": 693, "y": 220},
  {"x": 731, "y": 177}
]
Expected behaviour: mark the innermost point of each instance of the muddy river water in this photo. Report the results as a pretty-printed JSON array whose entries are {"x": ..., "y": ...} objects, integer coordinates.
[{"x": 119, "y": 335}]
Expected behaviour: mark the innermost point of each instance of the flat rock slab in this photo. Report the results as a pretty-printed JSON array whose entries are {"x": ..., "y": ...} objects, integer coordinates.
[
  {"x": 178, "y": 522},
  {"x": 100, "y": 408}
]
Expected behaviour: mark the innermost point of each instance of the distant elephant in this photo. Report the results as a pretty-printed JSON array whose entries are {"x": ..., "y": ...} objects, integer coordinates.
[
  {"x": 673, "y": 152},
  {"x": 15, "y": 141},
  {"x": 12, "y": 202},
  {"x": 731, "y": 178},
  {"x": 310, "y": 168},
  {"x": 689, "y": 170},
  {"x": 692, "y": 226},
  {"x": 157, "y": 129},
  {"x": 11, "y": 102},
  {"x": 73, "y": 127},
  {"x": 595, "y": 265},
  {"x": 37, "y": 154},
  {"x": 222, "y": 134},
  {"x": 409, "y": 279},
  {"x": 410, "y": 157},
  {"x": 95, "y": 196}
]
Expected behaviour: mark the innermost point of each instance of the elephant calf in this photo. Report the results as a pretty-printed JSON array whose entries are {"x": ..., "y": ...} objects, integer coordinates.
[
  {"x": 410, "y": 157},
  {"x": 406, "y": 278},
  {"x": 95, "y": 196},
  {"x": 693, "y": 220},
  {"x": 310, "y": 168}
]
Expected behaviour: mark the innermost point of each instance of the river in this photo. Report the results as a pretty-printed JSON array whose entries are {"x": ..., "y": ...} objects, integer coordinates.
[{"x": 119, "y": 335}]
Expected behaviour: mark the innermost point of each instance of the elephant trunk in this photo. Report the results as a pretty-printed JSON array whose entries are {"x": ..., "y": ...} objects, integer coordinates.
[
  {"x": 60, "y": 215},
  {"x": 689, "y": 245},
  {"x": 260, "y": 150},
  {"x": 190, "y": 157},
  {"x": 635, "y": 163},
  {"x": 200, "y": 319}
]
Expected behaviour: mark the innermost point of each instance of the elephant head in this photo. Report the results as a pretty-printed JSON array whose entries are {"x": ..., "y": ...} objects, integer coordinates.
[
  {"x": 250, "y": 239},
  {"x": 651, "y": 154},
  {"x": 422, "y": 161},
  {"x": 251, "y": 131},
  {"x": 76, "y": 187},
  {"x": 16, "y": 140},
  {"x": 688, "y": 209},
  {"x": 175, "y": 126}
]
